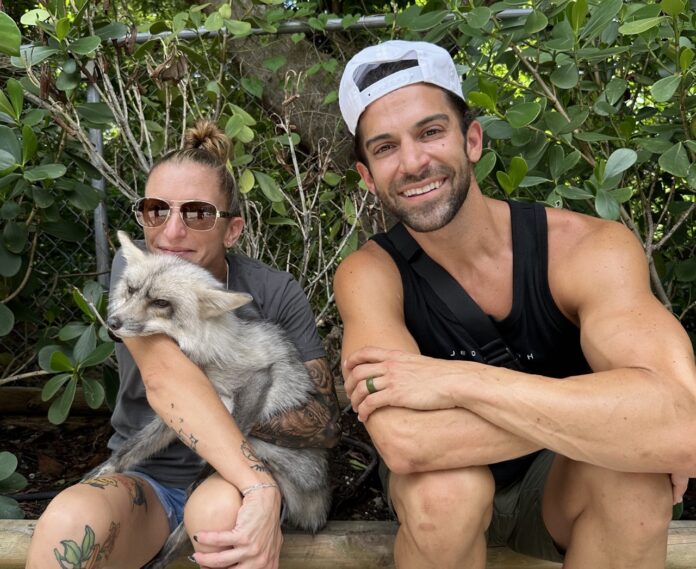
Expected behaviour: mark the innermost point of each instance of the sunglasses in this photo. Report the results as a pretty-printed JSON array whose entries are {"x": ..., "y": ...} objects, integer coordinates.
[{"x": 197, "y": 215}]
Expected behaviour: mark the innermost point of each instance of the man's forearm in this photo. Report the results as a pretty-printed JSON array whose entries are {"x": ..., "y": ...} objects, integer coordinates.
[
  {"x": 316, "y": 424},
  {"x": 623, "y": 419},
  {"x": 422, "y": 441}
]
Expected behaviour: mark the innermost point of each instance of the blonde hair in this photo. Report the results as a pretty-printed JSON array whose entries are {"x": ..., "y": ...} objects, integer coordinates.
[{"x": 206, "y": 144}]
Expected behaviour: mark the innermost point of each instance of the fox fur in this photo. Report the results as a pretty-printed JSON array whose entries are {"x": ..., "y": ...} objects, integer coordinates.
[{"x": 254, "y": 367}]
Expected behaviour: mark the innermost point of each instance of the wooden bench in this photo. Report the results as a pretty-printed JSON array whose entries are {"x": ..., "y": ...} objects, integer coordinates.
[{"x": 356, "y": 545}]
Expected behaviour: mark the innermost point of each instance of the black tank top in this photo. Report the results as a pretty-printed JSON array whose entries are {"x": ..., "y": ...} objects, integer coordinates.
[{"x": 545, "y": 341}]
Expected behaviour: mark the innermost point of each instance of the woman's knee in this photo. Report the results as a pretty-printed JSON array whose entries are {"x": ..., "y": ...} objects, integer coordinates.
[{"x": 212, "y": 506}]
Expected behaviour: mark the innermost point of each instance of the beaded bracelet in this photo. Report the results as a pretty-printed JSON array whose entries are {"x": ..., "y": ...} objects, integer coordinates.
[{"x": 255, "y": 487}]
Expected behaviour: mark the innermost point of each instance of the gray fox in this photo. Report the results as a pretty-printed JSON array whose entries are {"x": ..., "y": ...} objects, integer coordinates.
[{"x": 255, "y": 368}]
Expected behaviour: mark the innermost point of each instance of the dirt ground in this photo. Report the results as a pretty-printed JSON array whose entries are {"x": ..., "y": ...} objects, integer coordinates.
[{"x": 54, "y": 457}]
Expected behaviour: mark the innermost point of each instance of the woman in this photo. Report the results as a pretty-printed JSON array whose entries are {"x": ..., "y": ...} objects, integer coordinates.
[{"x": 191, "y": 209}]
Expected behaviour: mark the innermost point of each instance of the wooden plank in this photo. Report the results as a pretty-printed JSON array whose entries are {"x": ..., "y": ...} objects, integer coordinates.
[{"x": 356, "y": 545}]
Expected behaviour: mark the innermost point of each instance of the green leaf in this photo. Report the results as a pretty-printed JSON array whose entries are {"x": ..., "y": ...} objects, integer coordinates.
[
  {"x": 479, "y": 17},
  {"x": 10, "y": 143},
  {"x": 213, "y": 22},
  {"x": 85, "y": 345},
  {"x": 60, "y": 408},
  {"x": 33, "y": 55},
  {"x": 522, "y": 114},
  {"x": 13, "y": 483},
  {"x": 62, "y": 28},
  {"x": 686, "y": 57},
  {"x": 71, "y": 331},
  {"x": 619, "y": 161},
  {"x": 675, "y": 161},
  {"x": 15, "y": 235},
  {"x": 485, "y": 165},
  {"x": 331, "y": 97},
  {"x": 497, "y": 129},
  {"x": 427, "y": 21},
  {"x": 573, "y": 193},
  {"x": 86, "y": 45},
  {"x": 481, "y": 100},
  {"x": 7, "y": 320},
  {"x": 504, "y": 181},
  {"x": 517, "y": 170},
  {"x": 33, "y": 17},
  {"x": 275, "y": 63},
  {"x": 281, "y": 221},
  {"x": 16, "y": 96},
  {"x": 672, "y": 7},
  {"x": 535, "y": 22},
  {"x": 7, "y": 161},
  {"x": 566, "y": 76},
  {"x": 10, "y": 37},
  {"x": 663, "y": 89},
  {"x": 332, "y": 178},
  {"x": 53, "y": 385},
  {"x": 594, "y": 136},
  {"x": 45, "y": 172},
  {"x": 531, "y": 181},
  {"x": 112, "y": 31},
  {"x": 268, "y": 186},
  {"x": 9, "y": 509},
  {"x": 9, "y": 262},
  {"x": 246, "y": 181},
  {"x": 99, "y": 355},
  {"x": 98, "y": 115},
  {"x": 253, "y": 86},
  {"x": 640, "y": 26},
  {"x": 601, "y": 16},
  {"x": 66, "y": 230},
  {"x": 238, "y": 28},
  {"x": 615, "y": 90},
  {"x": 29, "y": 144},
  {"x": 60, "y": 362},
  {"x": 93, "y": 392},
  {"x": 8, "y": 464},
  {"x": 606, "y": 206}
]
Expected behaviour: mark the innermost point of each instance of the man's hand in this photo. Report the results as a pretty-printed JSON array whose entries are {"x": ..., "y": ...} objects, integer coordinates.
[
  {"x": 401, "y": 379},
  {"x": 680, "y": 483},
  {"x": 255, "y": 541}
]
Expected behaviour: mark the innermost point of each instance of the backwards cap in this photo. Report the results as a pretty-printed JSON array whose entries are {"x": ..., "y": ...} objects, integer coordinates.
[{"x": 431, "y": 64}]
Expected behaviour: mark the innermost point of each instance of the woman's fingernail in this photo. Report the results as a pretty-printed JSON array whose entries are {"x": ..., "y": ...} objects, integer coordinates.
[{"x": 192, "y": 559}]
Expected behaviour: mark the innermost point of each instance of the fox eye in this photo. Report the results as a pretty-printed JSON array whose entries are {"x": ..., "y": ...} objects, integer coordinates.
[
  {"x": 132, "y": 290},
  {"x": 161, "y": 303}
]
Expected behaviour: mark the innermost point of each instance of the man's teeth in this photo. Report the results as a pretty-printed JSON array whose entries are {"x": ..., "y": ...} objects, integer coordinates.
[{"x": 423, "y": 189}]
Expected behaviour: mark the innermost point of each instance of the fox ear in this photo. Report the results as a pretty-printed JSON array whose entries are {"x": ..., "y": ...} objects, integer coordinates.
[
  {"x": 130, "y": 250},
  {"x": 215, "y": 302}
]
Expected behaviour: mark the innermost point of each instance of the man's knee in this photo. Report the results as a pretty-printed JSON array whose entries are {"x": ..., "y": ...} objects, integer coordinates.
[
  {"x": 638, "y": 504},
  {"x": 444, "y": 500}
]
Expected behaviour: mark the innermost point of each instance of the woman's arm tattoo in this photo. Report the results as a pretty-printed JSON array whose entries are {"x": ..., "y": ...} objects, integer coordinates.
[
  {"x": 248, "y": 453},
  {"x": 317, "y": 424}
]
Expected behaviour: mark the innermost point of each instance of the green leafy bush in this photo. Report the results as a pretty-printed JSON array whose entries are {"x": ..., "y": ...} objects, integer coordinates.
[{"x": 10, "y": 482}]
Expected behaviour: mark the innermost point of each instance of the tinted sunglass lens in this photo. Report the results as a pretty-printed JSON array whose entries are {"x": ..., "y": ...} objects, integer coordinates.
[
  {"x": 199, "y": 215},
  {"x": 153, "y": 212}
]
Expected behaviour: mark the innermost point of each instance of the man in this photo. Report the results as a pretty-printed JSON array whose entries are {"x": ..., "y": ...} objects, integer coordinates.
[{"x": 569, "y": 295}]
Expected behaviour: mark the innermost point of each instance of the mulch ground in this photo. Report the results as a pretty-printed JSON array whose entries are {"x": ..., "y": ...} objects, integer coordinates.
[{"x": 55, "y": 457}]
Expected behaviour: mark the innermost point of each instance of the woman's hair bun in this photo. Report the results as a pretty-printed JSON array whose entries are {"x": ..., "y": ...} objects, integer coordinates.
[{"x": 205, "y": 135}]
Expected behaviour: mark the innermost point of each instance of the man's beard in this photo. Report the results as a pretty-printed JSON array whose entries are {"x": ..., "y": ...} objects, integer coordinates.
[{"x": 430, "y": 217}]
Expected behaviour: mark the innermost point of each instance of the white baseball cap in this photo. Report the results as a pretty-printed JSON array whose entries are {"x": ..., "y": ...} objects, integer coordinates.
[{"x": 431, "y": 64}]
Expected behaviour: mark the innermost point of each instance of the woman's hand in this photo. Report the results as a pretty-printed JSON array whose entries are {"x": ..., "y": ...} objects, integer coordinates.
[{"x": 255, "y": 541}]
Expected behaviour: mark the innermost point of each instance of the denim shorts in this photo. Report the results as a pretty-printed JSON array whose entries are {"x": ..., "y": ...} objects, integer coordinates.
[{"x": 172, "y": 499}]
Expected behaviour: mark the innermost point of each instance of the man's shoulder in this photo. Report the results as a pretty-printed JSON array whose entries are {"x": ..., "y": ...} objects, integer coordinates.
[{"x": 572, "y": 233}]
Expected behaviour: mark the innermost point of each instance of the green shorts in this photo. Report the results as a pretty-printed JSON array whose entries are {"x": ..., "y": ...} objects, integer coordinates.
[{"x": 517, "y": 519}]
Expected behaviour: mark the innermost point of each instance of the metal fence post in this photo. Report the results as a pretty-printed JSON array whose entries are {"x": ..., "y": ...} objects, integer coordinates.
[{"x": 101, "y": 226}]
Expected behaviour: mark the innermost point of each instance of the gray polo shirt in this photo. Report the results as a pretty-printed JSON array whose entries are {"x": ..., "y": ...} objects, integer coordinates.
[{"x": 277, "y": 298}]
